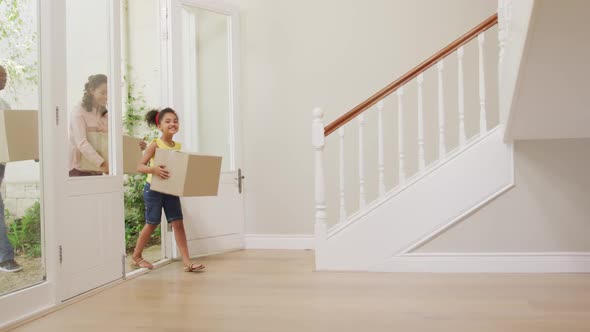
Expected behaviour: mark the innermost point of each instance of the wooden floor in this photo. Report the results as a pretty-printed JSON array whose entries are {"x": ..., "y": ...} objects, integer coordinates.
[{"x": 277, "y": 291}]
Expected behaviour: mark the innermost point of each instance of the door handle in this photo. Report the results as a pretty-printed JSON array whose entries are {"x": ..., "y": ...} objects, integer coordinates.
[{"x": 240, "y": 178}]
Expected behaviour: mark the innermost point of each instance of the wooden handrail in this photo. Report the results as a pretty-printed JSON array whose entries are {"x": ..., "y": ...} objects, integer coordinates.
[{"x": 452, "y": 47}]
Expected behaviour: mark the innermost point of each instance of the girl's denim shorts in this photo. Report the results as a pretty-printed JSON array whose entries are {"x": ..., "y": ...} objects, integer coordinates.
[{"x": 155, "y": 201}]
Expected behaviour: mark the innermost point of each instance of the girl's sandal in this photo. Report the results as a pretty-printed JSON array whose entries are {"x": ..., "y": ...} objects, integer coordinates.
[
  {"x": 194, "y": 267},
  {"x": 141, "y": 264}
]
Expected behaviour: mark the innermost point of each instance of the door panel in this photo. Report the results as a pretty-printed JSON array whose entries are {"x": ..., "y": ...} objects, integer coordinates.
[
  {"x": 215, "y": 216},
  {"x": 91, "y": 229},
  {"x": 98, "y": 261},
  {"x": 204, "y": 83}
]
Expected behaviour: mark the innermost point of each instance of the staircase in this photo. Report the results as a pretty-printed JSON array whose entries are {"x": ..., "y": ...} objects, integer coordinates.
[{"x": 441, "y": 192}]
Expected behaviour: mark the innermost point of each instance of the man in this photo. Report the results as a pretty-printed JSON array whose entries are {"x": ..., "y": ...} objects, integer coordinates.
[{"x": 7, "y": 262}]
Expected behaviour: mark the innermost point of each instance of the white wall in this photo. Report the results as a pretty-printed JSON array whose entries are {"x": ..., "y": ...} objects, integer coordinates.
[
  {"x": 551, "y": 99},
  {"x": 548, "y": 209},
  {"x": 300, "y": 54}
]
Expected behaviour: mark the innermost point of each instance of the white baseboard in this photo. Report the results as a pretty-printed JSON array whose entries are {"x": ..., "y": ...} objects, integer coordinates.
[
  {"x": 544, "y": 262},
  {"x": 214, "y": 245},
  {"x": 264, "y": 241}
]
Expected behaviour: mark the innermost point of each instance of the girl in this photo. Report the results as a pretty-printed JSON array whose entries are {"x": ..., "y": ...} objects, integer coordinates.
[{"x": 167, "y": 121}]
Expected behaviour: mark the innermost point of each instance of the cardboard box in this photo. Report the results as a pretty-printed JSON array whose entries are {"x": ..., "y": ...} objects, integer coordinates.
[
  {"x": 131, "y": 152},
  {"x": 100, "y": 143},
  {"x": 190, "y": 174},
  {"x": 19, "y": 135}
]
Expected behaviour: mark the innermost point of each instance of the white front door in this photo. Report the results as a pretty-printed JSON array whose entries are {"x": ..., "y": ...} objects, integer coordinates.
[
  {"x": 202, "y": 76},
  {"x": 90, "y": 217}
]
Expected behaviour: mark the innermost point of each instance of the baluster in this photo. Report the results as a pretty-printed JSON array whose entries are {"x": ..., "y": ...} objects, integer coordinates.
[
  {"x": 462, "y": 136},
  {"x": 318, "y": 142},
  {"x": 483, "y": 123},
  {"x": 363, "y": 194},
  {"x": 400, "y": 132},
  {"x": 441, "y": 112},
  {"x": 421, "y": 161},
  {"x": 342, "y": 201},
  {"x": 380, "y": 106}
]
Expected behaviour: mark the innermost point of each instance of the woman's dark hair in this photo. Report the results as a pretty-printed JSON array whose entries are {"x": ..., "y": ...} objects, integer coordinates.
[
  {"x": 94, "y": 82},
  {"x": 153, "y": 117}
]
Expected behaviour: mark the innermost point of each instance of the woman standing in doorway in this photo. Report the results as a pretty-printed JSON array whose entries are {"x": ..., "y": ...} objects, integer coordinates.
[{"x": 88, "y": 116}]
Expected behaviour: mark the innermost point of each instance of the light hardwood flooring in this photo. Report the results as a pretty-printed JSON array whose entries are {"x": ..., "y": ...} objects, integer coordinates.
[{"x": 257, "y": 290}]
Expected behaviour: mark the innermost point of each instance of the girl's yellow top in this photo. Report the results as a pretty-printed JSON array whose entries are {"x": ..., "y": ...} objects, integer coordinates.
[{"x": 161, "y": 145}]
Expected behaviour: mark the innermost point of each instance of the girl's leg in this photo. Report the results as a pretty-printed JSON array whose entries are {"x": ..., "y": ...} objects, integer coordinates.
[
  {"x": 180, "y": 236},
  {"x": 143, "y": 238}
]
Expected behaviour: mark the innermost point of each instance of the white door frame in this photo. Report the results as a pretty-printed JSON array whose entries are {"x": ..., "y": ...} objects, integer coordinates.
[
  {"x": 30, "y": 301},
  {"x": 172, "y": 63},
  {"x": 70, "y": 187}
]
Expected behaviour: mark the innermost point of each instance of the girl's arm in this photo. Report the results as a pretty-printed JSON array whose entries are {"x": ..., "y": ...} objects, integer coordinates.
[{"x": 142, "y": 166}]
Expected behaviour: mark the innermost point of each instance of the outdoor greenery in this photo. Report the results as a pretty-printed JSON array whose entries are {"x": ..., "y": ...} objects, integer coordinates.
[
  {"x": 18, "y": 44},
  {"x": 25, "y": 233},
  {"x": 134, "y": 206}
]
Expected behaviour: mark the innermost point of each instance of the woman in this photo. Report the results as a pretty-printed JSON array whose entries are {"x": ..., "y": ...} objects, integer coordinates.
[{"x": 90, "y": 115}]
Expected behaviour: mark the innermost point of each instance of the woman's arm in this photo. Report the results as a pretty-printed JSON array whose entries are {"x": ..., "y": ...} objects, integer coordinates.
[{"x": 142, "y": 166}]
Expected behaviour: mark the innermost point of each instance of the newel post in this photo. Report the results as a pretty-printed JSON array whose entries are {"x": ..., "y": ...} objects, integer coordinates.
[{"x": 318, "y": 142}]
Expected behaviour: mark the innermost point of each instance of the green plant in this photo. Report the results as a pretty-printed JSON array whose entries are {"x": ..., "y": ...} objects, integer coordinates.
[
  {"x": 134, "y": 212},
  {"x": 8, "y": 216},
  {"x": 25, "y": 234},
  {"x": 134, "y": 206},
  {"x": 136, "y": 107}
]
